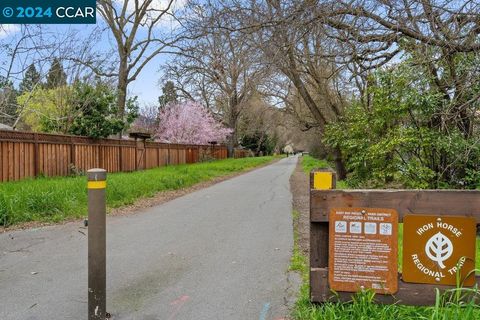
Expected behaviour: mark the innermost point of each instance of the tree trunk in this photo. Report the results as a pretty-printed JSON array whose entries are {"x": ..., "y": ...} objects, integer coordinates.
[
  {"x": 231, "y": 143},
  {"x": 339, "y": 164},
  {"x": 233, "y": 119},
  {"x": 122, "y": 91}
]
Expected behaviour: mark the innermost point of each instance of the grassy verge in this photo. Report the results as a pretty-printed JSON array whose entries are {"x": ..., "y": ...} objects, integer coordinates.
[
  {"x": 309, "y": 163},
  {"x": 57, "y": 199},
  {"x": 298, "y": 262},
  {"x": 362, "y": 306}
]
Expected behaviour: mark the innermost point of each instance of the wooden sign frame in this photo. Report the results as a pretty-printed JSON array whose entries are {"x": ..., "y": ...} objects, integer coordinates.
[{"x": 438, "y": 202}]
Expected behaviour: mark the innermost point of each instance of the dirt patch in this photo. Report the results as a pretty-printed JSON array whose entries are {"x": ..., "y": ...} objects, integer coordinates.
[
  {"x": 140, "y": 204},
  {"x": 299, "y": 185}
]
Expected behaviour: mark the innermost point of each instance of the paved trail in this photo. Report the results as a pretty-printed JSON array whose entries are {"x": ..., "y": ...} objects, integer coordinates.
[{"x": 218, "y": 253}]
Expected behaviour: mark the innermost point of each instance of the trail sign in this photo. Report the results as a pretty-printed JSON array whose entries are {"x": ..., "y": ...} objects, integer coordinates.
[
  {"x": 363, "y": 244},
  {"x": 322, "y": 180},
  {"x": 436, "y": 247}
]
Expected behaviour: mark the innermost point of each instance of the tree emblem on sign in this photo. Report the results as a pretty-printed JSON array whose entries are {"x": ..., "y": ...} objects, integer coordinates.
[{"x": 439, "y": 248}]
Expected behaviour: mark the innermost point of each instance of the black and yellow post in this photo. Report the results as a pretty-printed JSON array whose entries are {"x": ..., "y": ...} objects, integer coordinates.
[
  {"x": 320, "y": 179},
  {"x": 97, "y": 267}
]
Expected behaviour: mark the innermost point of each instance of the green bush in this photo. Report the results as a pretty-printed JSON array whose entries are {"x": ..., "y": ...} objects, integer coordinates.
[{"x": 410, "y": 134}]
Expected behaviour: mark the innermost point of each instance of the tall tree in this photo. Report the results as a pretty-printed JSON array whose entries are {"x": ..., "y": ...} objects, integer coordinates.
[
  {"x": 441, "y": 35},
  {"x": 46, "y": 110},
  {"x": 94, "y": 106},
  {"x": 8, "y": 103},
  {"x": 30, "y": 80},
  {"x": 20, "y": 48},
  {"x": 56, "y": 76},
  {"x": 169, "y": 94},
  {"x": 361, "y": 37},
  {"x": 302, "y": 54},
  {"x": 135, "y": 28},
  {"x": 217, "y": 65}
]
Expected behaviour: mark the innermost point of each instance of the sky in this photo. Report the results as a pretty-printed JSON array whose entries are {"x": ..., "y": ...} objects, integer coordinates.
[{"x": 147, "y": 85}]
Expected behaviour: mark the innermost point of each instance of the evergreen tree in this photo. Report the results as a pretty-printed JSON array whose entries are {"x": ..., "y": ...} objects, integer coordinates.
[
  {"x": 169, "y": 94},
  {"x": 30, "y": 80},
  {"x": 96, "y": 108},
  {"x": 259, "y": 141},
  {"x": 56, "y": 75},
  {"x": 8, "y": 102}
]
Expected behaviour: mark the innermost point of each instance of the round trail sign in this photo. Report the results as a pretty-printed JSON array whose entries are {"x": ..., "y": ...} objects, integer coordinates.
[{"x": 435, "y": 248}]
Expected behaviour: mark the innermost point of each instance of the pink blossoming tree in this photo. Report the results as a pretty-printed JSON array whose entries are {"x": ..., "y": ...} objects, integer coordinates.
[{"x": 189, "y": 123}]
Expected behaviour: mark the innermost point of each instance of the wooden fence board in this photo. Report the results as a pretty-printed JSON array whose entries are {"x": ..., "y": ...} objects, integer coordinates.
[
  {"x": 438, "y": 202},
  {"x": 27, "y": 154}
]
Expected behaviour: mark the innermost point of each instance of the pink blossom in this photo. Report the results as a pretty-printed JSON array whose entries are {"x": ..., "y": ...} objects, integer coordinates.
[{"x": 189, "y": 123}]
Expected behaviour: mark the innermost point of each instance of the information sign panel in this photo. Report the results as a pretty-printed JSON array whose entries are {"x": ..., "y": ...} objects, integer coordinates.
[{"x": 363, "y": 248}]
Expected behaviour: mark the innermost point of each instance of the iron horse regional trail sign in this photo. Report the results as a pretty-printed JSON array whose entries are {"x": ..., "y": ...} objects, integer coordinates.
[{"x": 434, "y": 247}]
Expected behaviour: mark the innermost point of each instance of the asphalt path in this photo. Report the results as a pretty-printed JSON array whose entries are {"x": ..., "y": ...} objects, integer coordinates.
[{"x": 219, "y": 253}]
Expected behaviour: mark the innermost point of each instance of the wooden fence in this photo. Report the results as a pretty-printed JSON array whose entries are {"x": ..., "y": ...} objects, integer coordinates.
[{"x": 27, "y": 154}]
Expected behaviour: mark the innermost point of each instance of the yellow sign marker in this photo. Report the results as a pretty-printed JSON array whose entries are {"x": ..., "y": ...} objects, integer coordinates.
[
  {"x": 322, "y": 180},
  {"x": 97, "y": 184}
]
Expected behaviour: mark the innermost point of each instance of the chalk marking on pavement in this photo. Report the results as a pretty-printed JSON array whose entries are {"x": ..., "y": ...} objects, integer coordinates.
[
  {"x": 178, "y": 303},
  {"x": 263, "y": 313}
]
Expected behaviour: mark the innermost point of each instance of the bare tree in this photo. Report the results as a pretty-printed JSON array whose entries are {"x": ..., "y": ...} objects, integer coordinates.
[
  {"x": 449, "y": 25},
  {"x": 147, "y": 120},
  {"x": 21, "y": 46},
  {"x": 439, "y": 36},
  {"x": 305, "y": 56},
  {"x": 217, "y": 66},
  {"x": 135, "y": 26}
]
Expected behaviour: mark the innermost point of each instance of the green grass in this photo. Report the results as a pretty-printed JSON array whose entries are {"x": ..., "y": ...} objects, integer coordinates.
[
  {"x": 362, "y": 306},
  {"x": 57, "y": 199},
  {"x": 298, "y": 261},
  {"x": 309, "y": 163}
]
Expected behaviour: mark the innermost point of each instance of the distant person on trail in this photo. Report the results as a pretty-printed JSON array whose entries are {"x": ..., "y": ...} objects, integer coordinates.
[{"x": 288, "y": 150}]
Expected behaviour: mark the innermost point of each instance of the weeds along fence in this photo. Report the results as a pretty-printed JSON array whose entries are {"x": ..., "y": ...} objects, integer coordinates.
[{"x": 27, "y": 154}]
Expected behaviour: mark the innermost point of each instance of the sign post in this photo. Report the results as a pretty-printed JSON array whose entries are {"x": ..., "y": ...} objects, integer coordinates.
[{"x": 96, "y": 244}]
